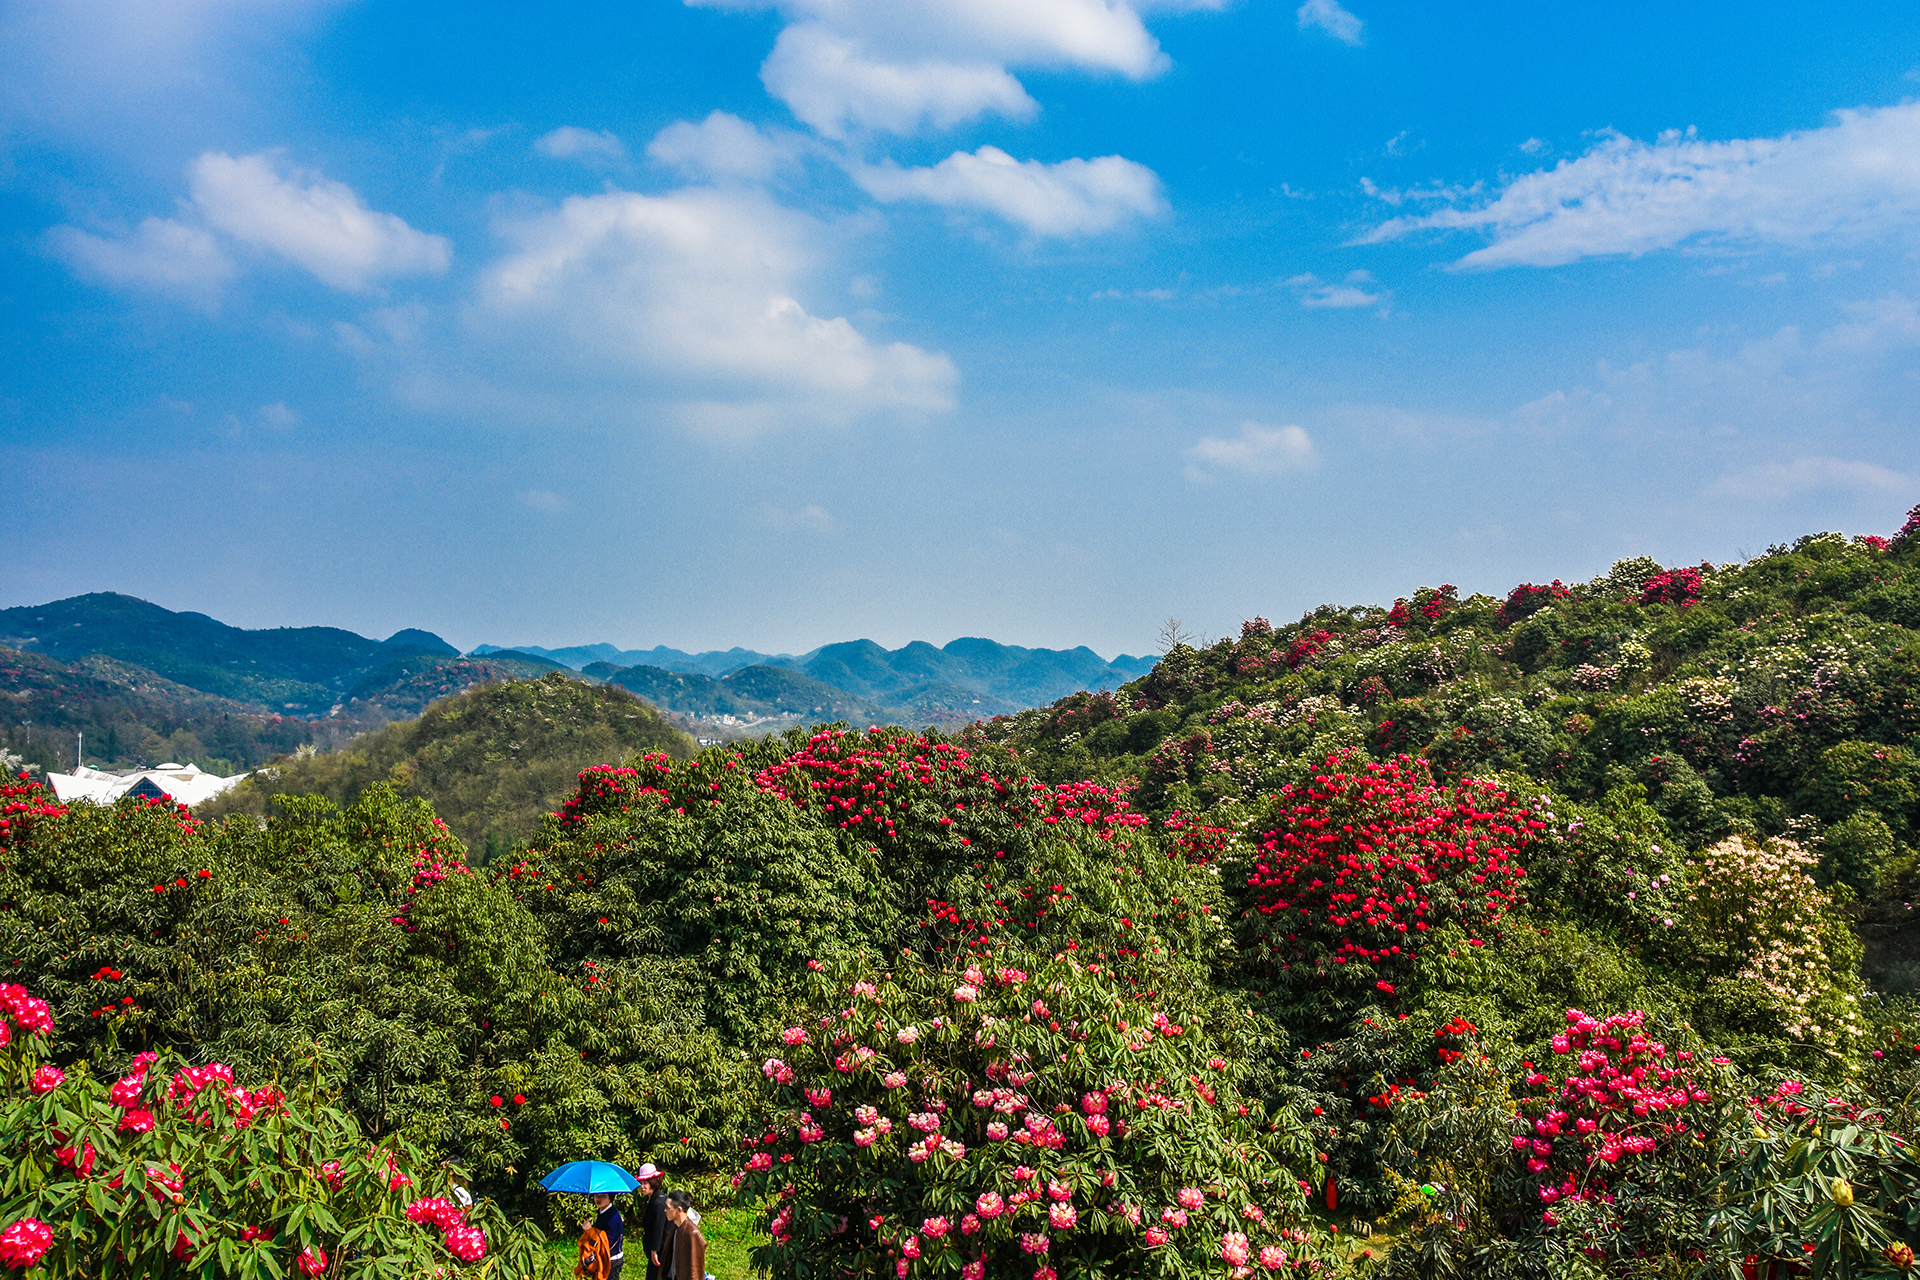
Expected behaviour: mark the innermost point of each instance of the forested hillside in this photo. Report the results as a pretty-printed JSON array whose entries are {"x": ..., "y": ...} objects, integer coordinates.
[
  {"x": 1513, "y": 938},
  {"x": 492, "y": 761}
]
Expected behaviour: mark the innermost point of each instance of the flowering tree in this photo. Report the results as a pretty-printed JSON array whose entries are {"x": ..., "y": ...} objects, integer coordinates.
[
  {"x": 1367, "y": 858},
  {"x": 173, "y": 1169},
  {"x": 978, "y": 1118}
]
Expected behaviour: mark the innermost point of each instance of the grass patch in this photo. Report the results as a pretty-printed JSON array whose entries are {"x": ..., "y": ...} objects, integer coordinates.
[{"x": 730, "y": 1241}]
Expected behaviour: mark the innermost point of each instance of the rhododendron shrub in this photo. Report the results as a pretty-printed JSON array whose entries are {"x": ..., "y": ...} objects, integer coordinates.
[
  {"x": 1761, "y": 903},
  {"x": 175, "y": 1169},
  {"x": 1013, "y": 1116},
  {"x": 1361, "y": 863},
  {"x": 431, "y": 988}
]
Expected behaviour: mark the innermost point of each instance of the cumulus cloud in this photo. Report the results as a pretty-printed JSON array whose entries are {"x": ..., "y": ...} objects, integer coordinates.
[
  {"x": 160, "y": 254},
  {"x": 584, "y": 145},
  {"x": 689, "y": 300},
  {"x": 1854, "y": 179},
  {"x": 900, "y": 65},
  {"x": 1073, "y": 197},
  {"x": 1328, "y": 16},
  {"x": 323, "y": 227},
  {"x": 1774, "y": 481},
  {"x": 726, "y": 147},
  {"x": 1257, "y": 450}
]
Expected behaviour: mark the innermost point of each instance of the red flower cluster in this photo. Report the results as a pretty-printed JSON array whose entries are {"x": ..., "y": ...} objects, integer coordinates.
[
  {"x": 1679, "y": 587},
  {"x": 608, "y": 788},
  {"x": 1363, "y": 863},
  {"x": 465, "y": 1242},
  {"x": 1307, "y": 646},
  {"x": 1528, "y": 599},
  {"x": 22, "y": 804},
  {"x": 1458, "y": 1029}
]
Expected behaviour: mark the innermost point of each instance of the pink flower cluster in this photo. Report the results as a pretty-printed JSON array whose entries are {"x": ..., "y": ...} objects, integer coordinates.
[
  {"x": 30, "y": 1013},
  {"x": 463, "y": 1240},
  {"x": 25, "y": 1243},
  {"x": 1624, "y": 1095}
]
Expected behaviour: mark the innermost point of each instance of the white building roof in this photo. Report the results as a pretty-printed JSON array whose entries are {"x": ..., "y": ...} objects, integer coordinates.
[{"x": 183, "y": 784}]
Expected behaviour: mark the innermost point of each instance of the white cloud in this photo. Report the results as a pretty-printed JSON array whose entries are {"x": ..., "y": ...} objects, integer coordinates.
[
  {"x": 1328, "y": 16},
  {"x": 900, "y": 65},
  {"x": 1774, "y": 481},
  {"x": 541, "y": 500},
  {"x": 688, "y": 300},
  {"x": 321, "y": 226},
  {"x": 584, "y": 145},
  {"x": 161, "y": 254},
  {"x": 725, "y": 146},
  {"x": 1257, "y": 450},
  {"x": 1073, "y": 197},
  {"x": 1854, "y": 179},
  {"x": 1533, "y": 146},
  {"x": 278, "y": 416},
  {"x": 808, "y": 519},
  {"x": 1313, "y": 292}
]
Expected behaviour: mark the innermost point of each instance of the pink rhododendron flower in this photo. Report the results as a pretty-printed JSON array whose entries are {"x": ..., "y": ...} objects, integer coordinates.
[
  {"x": 1094, "y": 1103},
  {"x": 1233, "y": 1249},
  {"x": 966, "y": 992},
  {"x": 1062, "y": 1216},
  {"x": 1156, "y": 1236},
  {"x": 313, "y": 1260},
  {"x": 969, "y": 1225},
  {"x": 469, "y": 1244},
  {"x": 865, "y": 1137},
  {"x": 1253, "y": 1213},
  {"x": 1273, "y": 1257},
  {"x": 137, "y": 1120},
  {"x": 48, "y": 1078},
  {"x": 1034, "y": 1242},
  {"x": 820, "y": 1097},
  {"x": 1173, "y": 1217},
  {"x": 989, "y": 1205},
  {"x": 996, "y": 1129},
  {"x": 25, "y": 1242},
  {"x": 907, "y": 1035},
  {"x": 894, "y": 1079},
  {"x": 934, "y": 1228},
  {"x": 975, "y": 1270},
  {"x": 911, "y": 1247},
  {"x": 794, "y": 1035},
  {"x": 1191, "y": 1198}
]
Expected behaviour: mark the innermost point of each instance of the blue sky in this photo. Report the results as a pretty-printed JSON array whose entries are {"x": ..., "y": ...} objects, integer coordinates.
[{"x": 779, "y": 324}]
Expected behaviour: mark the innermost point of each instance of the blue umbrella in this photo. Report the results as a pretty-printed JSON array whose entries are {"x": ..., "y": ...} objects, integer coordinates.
[{"x": 587, "y": 1177}]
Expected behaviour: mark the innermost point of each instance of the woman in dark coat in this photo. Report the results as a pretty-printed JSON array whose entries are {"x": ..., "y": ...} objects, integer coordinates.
[{"x": 655, "y": 1230}]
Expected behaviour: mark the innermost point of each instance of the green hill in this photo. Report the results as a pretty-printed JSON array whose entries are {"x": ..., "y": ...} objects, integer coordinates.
[
  {"x": 297, "y": 669},
  {"x": 493, "y": 761}
]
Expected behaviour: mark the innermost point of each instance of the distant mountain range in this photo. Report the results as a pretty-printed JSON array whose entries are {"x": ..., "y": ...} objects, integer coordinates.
[
  {"x": 139, "y": 679},
  {"x": 970, "y": 672}
]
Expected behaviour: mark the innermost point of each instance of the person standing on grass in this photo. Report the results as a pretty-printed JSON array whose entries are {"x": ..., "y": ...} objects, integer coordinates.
[
  {"x": 607, "y": 1219},
  {"x": 689, "y": 1246},
  {"x": 654, "y": 1227}
]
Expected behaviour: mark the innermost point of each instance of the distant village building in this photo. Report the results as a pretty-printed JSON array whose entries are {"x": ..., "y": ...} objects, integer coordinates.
[{"x": 180, "y": 783}]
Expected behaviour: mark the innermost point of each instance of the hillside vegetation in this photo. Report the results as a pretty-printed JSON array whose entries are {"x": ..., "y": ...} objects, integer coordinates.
[
  {"x": 492, "y": 761},
  {"x": 1524, "y": 934}
]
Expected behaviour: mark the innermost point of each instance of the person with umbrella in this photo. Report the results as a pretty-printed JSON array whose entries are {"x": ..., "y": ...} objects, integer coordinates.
[{"x": 600, "y": 1181}]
